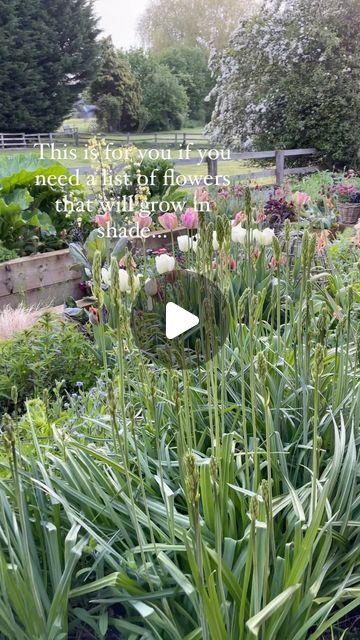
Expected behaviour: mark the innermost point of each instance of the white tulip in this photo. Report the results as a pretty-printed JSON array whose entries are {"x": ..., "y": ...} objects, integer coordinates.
[
  {"x": 267, "y": 237},
  {"x": 136, "y": 282},
  {"x": 215, "y": 242},
  {"x": 258, "y": 236},
  {"x": 185, "y": 243},
  {"x": 124, "y": 281},
  {"x": 105, "y": 276},
  {"x": 164, "y": 263},
  {"x": 238, "y": 234}
]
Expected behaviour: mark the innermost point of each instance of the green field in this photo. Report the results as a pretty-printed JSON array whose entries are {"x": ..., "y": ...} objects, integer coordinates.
[{"x": 231, "y": 168}]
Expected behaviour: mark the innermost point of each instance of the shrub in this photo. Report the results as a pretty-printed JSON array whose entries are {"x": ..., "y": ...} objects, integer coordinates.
[
  {"x": 51, "y": 351},
  {"x": 6, "y": 254}
]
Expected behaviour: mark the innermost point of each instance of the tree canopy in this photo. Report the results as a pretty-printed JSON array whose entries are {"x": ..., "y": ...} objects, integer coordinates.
[
  {"x": 115, "y": 91},
  {"x": 164, "y": 101},
  {"x": 290, "y": 79},
  {"x": 191, "y": 23},
  {"x": 190, "y": 66},
  {"x": 48, "y": 54}
]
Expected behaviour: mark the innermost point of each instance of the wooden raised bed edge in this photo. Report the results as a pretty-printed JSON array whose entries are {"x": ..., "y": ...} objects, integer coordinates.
[{"x": 45, "y": 279}]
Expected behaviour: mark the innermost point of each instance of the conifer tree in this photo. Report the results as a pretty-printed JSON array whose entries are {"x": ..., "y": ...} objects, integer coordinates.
[{"x": 48, "y": 54}]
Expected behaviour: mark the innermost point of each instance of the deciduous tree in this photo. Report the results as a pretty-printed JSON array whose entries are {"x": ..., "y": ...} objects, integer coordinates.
[{"x": 191, "y": 23}]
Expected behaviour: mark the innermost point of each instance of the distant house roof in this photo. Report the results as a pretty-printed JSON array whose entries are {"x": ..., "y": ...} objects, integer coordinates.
[{"x": 86, "y": 109}]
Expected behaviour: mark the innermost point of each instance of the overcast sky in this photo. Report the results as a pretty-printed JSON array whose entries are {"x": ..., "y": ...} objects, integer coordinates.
[{"x": 119, "y": 19}]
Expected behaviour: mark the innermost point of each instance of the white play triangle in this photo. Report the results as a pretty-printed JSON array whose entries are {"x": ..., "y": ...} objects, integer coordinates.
[{"x": 178, "y": 320}]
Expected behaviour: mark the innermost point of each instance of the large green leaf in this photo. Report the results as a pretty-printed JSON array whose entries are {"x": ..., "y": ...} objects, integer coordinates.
[
  {"x": 21, "y": 170},
  {"x": 95, "y": 243},
  {"x": 40, "y": 219}
]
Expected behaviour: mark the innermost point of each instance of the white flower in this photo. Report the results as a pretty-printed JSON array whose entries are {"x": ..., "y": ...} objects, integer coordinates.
[
  {"x": 164, "y": 263},
  {"x": 124, "y": 281},
  {"x": 258, "y": 236},
  {"x": 215, "y": 242},
  {"x": 238, "y": 234},
  {"x": 105, "y": 276},
  {"x": 185, "y": 243},
  {"x": 136, "y": 282},
  {"x": 267, "y": 237}
]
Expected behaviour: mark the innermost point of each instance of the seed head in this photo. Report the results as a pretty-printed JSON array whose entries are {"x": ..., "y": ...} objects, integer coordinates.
[
  {"x": 254, "y": 508},
  {"x": 97, "y": 288},
  {"x": 262, "y": 367}
]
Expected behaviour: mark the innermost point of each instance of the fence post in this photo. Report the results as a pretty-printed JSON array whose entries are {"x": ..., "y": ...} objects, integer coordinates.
[
  {"x": 280, "y": 167},
  {"x": 128, "y": 139},
  {"x": 176, "y": 139},
  {"x": 155, "y": 138},
  {"x": 2, "y": 141},
  {"x": 76, "y": 137},
  {"x": 212, "y": 168}
]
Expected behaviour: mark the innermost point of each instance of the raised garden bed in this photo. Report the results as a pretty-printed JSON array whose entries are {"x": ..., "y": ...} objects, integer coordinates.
[{"x": 44, "y": 279}]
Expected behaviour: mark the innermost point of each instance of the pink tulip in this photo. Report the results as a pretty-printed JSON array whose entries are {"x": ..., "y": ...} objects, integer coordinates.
[
  {"x": 239, "y": 218},
  {"x": 102, "y": 220},
  {"x": 190, "y": 219},
  {"x": 261, "y": 217},
  {"x": 168, "y": 221},
  {"x": 301, "y": 199},
  {"x": 202, "y": 195},
  {"x": 143, "y": 219}
]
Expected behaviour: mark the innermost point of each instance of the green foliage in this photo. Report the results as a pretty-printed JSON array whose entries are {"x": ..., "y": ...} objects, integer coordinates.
[
  {"x": 29, "y": 221},
  {"x": 346, "y": 256},
  {"x": 115, "y": 91},
  {"x": 217, "y": 503},
  {"x": 183, "y": 23},
  {"x": 51, "y": 351},
  {"x": 164, "y": 98},
  {"x": 289, "y": 78},
  {"x": 48, "y": 53},
  {"x": 190, "y": 66},
  {"x": 7, "y": 254}
]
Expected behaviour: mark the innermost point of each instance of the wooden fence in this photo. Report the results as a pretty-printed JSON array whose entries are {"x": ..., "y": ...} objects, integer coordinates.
[
  {"x": 279, "y": 171},
  {"x": 24, "y": 140},
  {"x": 177, "y": 140},
  {"x": 198, "y": 141}
]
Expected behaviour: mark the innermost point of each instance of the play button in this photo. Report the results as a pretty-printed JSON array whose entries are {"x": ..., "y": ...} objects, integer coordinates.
[{"x": 180, "y": 319}]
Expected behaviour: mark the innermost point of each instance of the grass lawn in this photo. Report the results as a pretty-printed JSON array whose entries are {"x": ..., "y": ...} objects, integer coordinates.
[{"x": 231, "y": 168}]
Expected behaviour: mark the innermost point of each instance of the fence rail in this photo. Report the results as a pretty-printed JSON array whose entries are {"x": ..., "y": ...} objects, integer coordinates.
[
  {"x": 278, "y": 172},
  {"x": 22, "y": 140}
]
